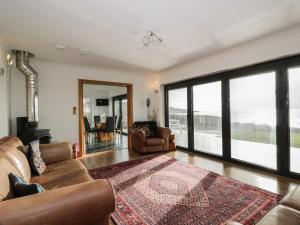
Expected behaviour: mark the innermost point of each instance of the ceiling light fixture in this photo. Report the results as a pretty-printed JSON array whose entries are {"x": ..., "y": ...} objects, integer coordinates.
[{"x": 151, "y": 38}]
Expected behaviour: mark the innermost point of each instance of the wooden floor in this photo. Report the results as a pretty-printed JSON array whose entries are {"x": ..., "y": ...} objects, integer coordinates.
[{"x": 264, "y": 180}]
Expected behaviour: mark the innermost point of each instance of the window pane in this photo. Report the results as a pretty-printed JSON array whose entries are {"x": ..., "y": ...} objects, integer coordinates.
[
  {"x": 208, "y": 118},
  {"x": 178, "y": 115},
  {"x": 294, "y": 96},
  {"x": 87, "y": 108},
  {"x": 124, "y": 115},
  {"x": 253, "y": 119}
]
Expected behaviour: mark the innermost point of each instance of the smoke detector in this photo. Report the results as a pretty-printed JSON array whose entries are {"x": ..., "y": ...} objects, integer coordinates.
[
  {"x": 83, "y": 52},
  {"x": 60, "y": 47}
]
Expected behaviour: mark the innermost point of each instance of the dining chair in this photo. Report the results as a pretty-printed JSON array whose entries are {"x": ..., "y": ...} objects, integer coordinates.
[
  {"x": 97, "y": 119},
  {"x": 109, "y": 125},
  {"x": 118, "y": 128},
  {"x": 88, "y": 130}
]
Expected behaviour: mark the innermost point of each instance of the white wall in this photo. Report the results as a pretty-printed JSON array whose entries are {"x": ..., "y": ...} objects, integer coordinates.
[
  {"x": 4, "y": 119},
  {"x": 58, "y": 93},
  {"x": 264, "y": 49}
]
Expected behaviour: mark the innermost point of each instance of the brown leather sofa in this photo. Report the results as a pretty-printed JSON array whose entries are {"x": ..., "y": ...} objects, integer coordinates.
[
  {"x": 72, "y": 197},
  {"x": 286, "y": 213},
  {"x": 158, "y": 143}
]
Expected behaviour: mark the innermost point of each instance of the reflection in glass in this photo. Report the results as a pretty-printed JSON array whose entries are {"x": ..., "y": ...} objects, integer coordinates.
[
  {"x": 124, "y": 116},
  {"x": 253, "y": 119},
  {"x": 294, "y": 98},
  {"x": 178, "y": 115},
  {"x": 208, "y": 118}
]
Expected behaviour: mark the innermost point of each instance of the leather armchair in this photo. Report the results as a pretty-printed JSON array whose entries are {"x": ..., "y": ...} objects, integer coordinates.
[{"x": 159, "y": 142}]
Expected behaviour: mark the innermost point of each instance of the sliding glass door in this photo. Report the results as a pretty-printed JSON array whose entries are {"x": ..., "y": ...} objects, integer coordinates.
[
  {"x": 207, "y": 118},
  {"x": 253, "y": 119},
  {"x": 249, "y": 116},
  {"x": 294, "y": 103},
  {"x": 178, "y": 112}
]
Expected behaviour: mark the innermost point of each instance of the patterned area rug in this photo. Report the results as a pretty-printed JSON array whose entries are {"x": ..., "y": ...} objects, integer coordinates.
[{"x": 161, "y": 190}]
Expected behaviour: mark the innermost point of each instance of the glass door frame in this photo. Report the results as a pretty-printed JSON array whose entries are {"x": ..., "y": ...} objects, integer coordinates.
[
  {"x": 119, "y": 99},
  {"x": 280, "y": 67}
]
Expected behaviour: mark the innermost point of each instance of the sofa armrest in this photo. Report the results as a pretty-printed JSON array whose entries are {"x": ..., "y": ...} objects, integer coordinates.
[
  {"x": 138, "y": 140},
  {"x": 87, "y": 203},
  {"x": 292, "y": 199},
  {"x": 57, "y": 152},
  {"x": 163, "y": 132}
]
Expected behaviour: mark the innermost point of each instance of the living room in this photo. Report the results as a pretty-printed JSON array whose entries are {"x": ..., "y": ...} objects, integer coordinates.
[{"x": 210, "y": 95}]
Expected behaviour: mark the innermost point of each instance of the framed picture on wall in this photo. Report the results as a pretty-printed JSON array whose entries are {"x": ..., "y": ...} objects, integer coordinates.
[{"x": 101, "y": 102}]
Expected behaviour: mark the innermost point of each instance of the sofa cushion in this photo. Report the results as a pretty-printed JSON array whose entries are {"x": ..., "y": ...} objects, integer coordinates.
[
  {"x": 12, "y": 149},
  {"x": 292, "y": 199},
  {"x": 7, "y": 166},
  {"x": 21, "y": 188},
  {"x": 146, "y": 130},
  {"x": 151, "y": 124},
  {"x": 154, "y": 141},
  {"x": 11, "y": 160},
  {"x": 281, "y": 215},
  {"x": 36, "y": 162},
  {"x": 62, "y": 174}
]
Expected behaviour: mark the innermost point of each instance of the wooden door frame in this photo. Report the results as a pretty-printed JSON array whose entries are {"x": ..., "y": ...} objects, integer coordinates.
[{"x": 129, "y": 87}]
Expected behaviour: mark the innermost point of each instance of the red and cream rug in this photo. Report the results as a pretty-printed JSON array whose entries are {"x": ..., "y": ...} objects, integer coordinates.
[{"x": 161, "y": 190}]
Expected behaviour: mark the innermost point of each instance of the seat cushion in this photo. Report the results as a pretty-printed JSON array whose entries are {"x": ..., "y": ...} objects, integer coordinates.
[
  {"x": 292, "y": 199},
  {"x": 281, "y": 215},
  {"x": 154, "y": 141},
  {"x": 62, "y": 174}
]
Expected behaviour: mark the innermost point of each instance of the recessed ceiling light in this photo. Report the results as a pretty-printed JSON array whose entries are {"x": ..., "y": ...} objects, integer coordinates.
[
  {"x": 83, "y": 52},
  {"x": 60, "y": 47}
]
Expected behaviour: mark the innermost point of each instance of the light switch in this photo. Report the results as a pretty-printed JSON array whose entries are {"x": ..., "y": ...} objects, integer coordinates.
[{"x": 74, "y": 110}]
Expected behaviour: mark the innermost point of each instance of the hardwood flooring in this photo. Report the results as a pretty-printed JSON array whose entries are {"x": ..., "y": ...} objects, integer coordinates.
[{"x": 264, "y": 180}]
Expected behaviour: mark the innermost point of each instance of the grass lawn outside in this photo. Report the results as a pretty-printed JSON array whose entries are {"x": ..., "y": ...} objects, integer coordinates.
[{"x": 265, "y": 137}]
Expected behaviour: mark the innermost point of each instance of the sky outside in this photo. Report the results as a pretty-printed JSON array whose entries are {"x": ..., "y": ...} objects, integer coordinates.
[{"x": 252, "y": 98}]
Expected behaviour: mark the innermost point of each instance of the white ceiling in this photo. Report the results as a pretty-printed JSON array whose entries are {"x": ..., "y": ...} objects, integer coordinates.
[{"x": 112, "y": 30}]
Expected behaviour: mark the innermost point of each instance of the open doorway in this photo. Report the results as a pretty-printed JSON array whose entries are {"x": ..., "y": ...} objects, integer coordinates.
[{"x": 105, "y": 113}]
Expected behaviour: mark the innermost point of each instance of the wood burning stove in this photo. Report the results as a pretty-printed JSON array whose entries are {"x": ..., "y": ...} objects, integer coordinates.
[{"x": 28, "y": 131}]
